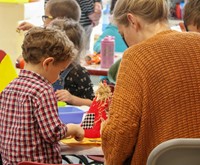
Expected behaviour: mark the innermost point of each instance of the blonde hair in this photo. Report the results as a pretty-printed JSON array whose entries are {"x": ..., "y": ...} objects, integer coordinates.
[{"x": 149, "y": 10}]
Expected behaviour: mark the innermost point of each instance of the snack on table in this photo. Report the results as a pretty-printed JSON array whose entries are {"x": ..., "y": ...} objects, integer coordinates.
[{"x": 93, "y": 59}]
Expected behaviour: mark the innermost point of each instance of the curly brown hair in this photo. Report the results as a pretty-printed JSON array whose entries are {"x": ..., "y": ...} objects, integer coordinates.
[{"x": 40, "y": 43}]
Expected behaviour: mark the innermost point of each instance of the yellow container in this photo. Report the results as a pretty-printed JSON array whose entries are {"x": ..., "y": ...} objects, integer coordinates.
[
  {"x": 7, "y": 70},
  {"x": 14, "y": 1},
  {"x": 61, "y": 104}
]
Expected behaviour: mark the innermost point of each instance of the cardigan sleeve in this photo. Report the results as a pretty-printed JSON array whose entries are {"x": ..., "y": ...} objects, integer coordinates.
[{"x": 119, "y": 134}]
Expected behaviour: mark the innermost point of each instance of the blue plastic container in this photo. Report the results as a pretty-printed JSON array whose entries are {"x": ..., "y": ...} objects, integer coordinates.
[{"x": 70, "y": 114}]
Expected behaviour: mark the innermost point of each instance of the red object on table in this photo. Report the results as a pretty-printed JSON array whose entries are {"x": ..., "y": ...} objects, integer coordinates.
[
  {"x": 97, "y": 112},
  {"x": 98, "y": 72},
  {"x": 20, "y": 63},
  {"x": 92, "y": 122}
]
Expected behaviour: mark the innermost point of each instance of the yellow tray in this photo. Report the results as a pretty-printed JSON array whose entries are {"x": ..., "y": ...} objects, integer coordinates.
[{"x": 85, "y": 141}]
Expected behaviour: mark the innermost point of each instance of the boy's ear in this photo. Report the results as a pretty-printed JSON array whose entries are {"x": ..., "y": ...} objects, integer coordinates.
[
  {"x": 47, "y": 62},
  {"x": 182, "y": 26},
  {"x": 133, "y": 20}
]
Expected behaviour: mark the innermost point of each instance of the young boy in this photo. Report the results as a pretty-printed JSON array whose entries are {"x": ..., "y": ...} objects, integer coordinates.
[
  {"x": 56, "y": 9},
  {"x": 191, "y": 16},
  {"x": 29, "y": 121}
]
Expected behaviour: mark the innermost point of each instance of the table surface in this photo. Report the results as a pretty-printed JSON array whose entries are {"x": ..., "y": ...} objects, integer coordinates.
[
  {"x": 67, "y": 149},
  {"x": 82, "y": 149},
  {"x": 96, "y": 70}
]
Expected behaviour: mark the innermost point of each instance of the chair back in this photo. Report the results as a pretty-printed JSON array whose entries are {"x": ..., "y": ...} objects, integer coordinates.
[{"x": 182, "y": 151}]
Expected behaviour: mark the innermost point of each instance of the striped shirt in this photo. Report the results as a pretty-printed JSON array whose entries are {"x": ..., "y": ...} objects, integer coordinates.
[
  {"x": 29, "y": 122},
  {"x": 87, "y": 7}
]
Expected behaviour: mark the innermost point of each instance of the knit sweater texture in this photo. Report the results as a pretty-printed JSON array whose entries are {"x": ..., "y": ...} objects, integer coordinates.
[{"x": 156, "y": 97}]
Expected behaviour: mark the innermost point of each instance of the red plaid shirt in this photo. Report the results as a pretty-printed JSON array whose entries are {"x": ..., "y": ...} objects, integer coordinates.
[{"x": 29, "y": 124}]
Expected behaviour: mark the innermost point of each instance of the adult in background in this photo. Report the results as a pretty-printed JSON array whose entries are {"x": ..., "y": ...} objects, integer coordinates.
[
  {"x": 90, "y": 16},
  {"x": 111, "y": 30},
  {"x": 157, "y": 92}
]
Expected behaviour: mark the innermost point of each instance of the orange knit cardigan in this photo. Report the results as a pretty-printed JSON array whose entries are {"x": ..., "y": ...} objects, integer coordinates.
[{"x": 156, "y": 98}]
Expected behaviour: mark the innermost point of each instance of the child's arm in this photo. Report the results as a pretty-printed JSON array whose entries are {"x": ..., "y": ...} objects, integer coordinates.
[
  {"x": 75, "y": 131},
  {"x": 25, "y": 26},
  {"x": 64, "y": 95},
  {"x": 80, "y": 101}
]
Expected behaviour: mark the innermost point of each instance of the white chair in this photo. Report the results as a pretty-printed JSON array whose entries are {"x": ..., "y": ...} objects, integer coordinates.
[{"x": 182, "y": 151}]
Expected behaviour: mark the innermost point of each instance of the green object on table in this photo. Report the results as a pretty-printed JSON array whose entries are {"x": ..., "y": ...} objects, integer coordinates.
[
  {"x": 61, "y": 104},
  {"x": 112, "y": 72}
]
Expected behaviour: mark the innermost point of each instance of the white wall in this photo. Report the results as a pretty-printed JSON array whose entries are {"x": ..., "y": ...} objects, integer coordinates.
[{"x": 11, "y": 15}]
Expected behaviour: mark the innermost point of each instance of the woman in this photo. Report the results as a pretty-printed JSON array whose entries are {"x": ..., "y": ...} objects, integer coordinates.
[{"x": 157, "y": 92}]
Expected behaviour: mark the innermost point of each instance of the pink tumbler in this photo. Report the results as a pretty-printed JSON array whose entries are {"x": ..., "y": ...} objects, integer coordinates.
[{"x": 107, "y": 51}]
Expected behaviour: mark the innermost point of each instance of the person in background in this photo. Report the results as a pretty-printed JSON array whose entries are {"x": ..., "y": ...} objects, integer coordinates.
[
  {"x": 120, "y": 46},
  {"x": 111, "y": 30},
  {"x": 30, "y": 125},
  {"x": 90, "y": 16},
  {"x": 156, "y": 95},
  {"x": 56, "y": 9},
  {"x": 191, "y": 16},
  {"x": 74, "y": 85}
]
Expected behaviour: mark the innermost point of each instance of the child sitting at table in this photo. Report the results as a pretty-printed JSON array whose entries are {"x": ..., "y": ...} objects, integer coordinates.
[
  {"x": 30, "y": 125},
  {"x": 74, "y": 85}
]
